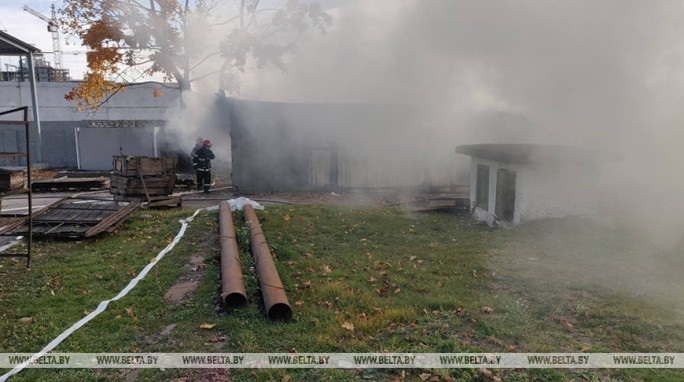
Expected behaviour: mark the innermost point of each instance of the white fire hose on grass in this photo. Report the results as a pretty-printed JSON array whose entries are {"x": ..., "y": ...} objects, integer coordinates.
[
  {"x": 103, "y": 305},
  {"x": 235, "y": 204}
]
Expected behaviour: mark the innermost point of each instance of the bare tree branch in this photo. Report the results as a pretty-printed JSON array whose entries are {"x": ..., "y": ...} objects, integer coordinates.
[{"x": 204, "y": 60}]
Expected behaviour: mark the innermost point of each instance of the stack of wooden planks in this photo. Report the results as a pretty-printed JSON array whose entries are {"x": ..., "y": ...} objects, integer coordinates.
[{"x": 135, "y": 176}]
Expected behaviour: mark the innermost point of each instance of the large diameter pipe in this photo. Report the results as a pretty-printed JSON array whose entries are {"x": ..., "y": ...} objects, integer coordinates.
[
  {"x": 233, "y": 287},
  {"x": 275, "y": 300}
]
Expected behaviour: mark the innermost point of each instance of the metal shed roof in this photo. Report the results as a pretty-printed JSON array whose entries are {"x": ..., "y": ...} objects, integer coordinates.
[
  {"x": 12, "y": 46},
  {"x": 530, "y": 153}
]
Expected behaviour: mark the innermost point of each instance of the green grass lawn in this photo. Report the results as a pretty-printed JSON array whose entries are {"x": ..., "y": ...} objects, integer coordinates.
[{"x": 358, "y": 280}]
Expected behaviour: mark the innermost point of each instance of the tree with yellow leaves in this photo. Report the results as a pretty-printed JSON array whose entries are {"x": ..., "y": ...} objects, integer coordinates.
[{"x": 184, "y": 40}]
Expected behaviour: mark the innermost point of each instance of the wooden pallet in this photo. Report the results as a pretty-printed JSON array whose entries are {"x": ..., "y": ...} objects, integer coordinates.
[
  {"x": 130, "y": 186},
  {"x": 79, "y": 218},
  {"x": 165, "y": 201},
  {"x": 64, "y": 184},
  {"x": 132, "y": 166},
  {"x": 144, "y": 177}
]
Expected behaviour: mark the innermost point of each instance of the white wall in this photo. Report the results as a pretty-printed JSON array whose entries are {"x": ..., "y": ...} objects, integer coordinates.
[
  {"x": 553, "y": 191},
  {"x": 59, "y": 117},
  {"x": 97, "y": 146},
  {"x": 542, "y": 190},
  {"x": 136, "y": 102}
]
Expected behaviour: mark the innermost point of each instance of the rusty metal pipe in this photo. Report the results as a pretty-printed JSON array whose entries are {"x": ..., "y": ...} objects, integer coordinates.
[
  {"x": 233, "y": 288},
  {"x": 275, "y": 300}
]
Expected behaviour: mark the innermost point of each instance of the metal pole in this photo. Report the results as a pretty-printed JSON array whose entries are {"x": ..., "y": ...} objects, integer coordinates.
[
  {"x": 233, "y": 287},
  {"x": 34, "y": 101},
  {"x": 30, "y": 192},
  {"x": 78, "y": 149},
  {"x": 275, "y": 300}
]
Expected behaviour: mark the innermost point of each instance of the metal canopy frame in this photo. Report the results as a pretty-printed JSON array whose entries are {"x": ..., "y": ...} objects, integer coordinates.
[
  {"x": 26, "y": 154},
  {"x": 12, "y": 46}
]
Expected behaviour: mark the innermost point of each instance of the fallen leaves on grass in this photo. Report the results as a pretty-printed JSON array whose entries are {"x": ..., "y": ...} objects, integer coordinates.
[
  {"x": 27, "y": 320},
  {"x": 372, "y": 279},
  {"x": 484, "y": 373},
  {"x": 218, "y": 339},
  {"x": 486, "y": 310},
  {"x": 286, "y": 218},
  {"x": 131, "y": 313},
  {"x": 348, "y": 325},
  {"x": 299, "y": 304},
  {"x": 206, "y": 326},
  {"x": 563, "y": 321}
]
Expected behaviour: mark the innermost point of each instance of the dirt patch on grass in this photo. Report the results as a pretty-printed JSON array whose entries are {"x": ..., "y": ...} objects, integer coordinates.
[
  {"x": 181, "y": 291},
  {"x": 188, "y": 281}
]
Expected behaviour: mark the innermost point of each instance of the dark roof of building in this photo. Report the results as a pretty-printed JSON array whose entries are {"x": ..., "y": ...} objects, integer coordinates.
[
  {"x": 12, "y": 46},
  {"x": 530, "y": 153}
]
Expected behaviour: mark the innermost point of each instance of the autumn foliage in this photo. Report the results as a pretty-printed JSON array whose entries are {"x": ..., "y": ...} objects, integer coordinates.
[{"x": 128, "y": 40}]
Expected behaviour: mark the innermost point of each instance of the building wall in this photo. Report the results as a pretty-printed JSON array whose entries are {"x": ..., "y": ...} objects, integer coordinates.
[
  {"x": 285, "y": 146},
  {"x": 480, "y": 214},
  {"x": 554, "y": 191},
  {"x": 136, "y": 102},
  {"x": 59, "y": 117},
  {"x": 543, "y": 190}
]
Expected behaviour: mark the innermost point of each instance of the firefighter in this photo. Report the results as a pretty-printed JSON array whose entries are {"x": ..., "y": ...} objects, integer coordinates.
[
  {"x": 193, "y": 154},
  {"x": 204, "y": 157}
]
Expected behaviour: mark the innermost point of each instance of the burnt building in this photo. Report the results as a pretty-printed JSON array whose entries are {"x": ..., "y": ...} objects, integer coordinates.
[{"x": 305, "y": 146}]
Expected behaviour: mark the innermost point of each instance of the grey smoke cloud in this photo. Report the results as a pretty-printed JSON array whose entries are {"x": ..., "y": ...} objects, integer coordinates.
[
  {"x": 607, "y": 75},
  {"x": 580, "y": 70}
]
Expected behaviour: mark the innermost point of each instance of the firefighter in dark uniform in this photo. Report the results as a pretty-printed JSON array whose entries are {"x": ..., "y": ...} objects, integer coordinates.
[
  {"x": 204, "y": 157},
  {"x": 193, "y": 154}
]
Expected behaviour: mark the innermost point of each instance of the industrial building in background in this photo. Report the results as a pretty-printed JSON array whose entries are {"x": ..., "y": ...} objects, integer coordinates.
[{"x": 43, "y": 69}]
